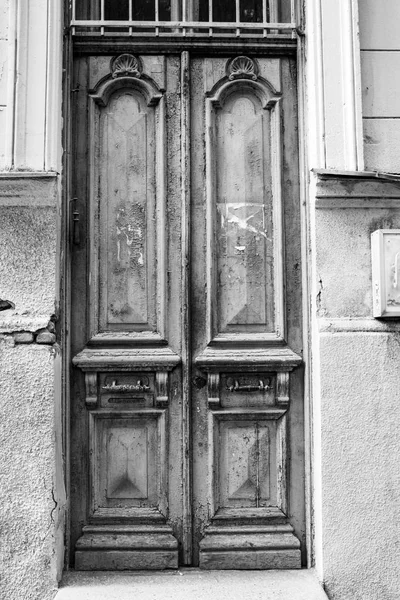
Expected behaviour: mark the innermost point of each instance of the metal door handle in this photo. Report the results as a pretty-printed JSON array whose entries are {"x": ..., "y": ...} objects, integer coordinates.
[
  {"x": 262, "y": 387},
  {"x": 76, "y": 238}
]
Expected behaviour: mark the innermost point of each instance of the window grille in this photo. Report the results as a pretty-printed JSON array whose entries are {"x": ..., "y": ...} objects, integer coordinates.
[{"x": 197, "y": 18}]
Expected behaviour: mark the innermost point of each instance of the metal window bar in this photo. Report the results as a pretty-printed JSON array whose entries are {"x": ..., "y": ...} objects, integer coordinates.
[
  {"x": 156, "y": 14},
  {"x": 185, "y": 26}
]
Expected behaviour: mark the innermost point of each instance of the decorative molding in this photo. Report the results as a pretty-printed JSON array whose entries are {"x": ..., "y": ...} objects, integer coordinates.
[
  {"x": 332, "y": 326},
  {"x": 338, "y": 190},
  {"x": 282, "y": 45},
  {"x": 215, "y": 359},
  {"x": 161, "y": 398},
  {"x": 282, "y": 388},
  {"x": 213, "y": 383},
  {"x": 126, "y": 64},
  {"x": 142, "y": 83},
  {"x": 242, "y": 67},
  {"x": 91, "y": 386},
  {"x": 133, "y": 359}
]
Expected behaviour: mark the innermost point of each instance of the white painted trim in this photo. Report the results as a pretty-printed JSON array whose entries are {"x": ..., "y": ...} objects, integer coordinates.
[
  {"x": 11, "y": 72},
  {"x": 53, "y": 122},
  {"x": 351, "y": 72},
  {"x": 314, "y": 93},
  {"x": 34, "y": 86},
  {"x": 334, "y": 85}
]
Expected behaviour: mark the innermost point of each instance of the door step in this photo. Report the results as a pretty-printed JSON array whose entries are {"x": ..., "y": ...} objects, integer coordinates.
[
  {"x": 103, "y": 548},
  {"x": 192, "y": 583},
  {"x": 268, "y": 547}
]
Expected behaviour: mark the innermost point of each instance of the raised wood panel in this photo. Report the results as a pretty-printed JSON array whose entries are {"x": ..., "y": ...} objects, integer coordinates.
[
  {"x": 247, "y": 474},
  {"x": 244, "y": 221},
  {"x": 128, "y": 461},
  {"x": 126, "y": 175},
  {"x": 244, "y": 208},
  {"x": 127, "y": 207}
]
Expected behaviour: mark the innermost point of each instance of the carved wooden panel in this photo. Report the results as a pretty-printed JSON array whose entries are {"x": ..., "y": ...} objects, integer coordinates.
[
  {"x": 247, "y": 475},
  {"x": 126, "y": 198},
  {"x": 244, "y": 208},
  {"x": 127, "y": 460},
  {"x": 244, "y": 220},
  {"x": 127, "y": 213}
]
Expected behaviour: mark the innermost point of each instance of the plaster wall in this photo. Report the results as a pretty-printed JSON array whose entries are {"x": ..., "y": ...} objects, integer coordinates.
[
  {"x": 357, "y": 397},
  {"x": 30, "y": 504},
  {"x": 32, "y": 498}
]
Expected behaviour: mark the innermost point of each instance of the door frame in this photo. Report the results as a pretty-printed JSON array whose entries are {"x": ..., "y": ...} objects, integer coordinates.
[{"x": 65, "y": 272}]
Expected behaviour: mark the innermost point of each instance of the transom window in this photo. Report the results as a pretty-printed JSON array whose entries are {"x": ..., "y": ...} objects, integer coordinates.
[{"x": 244, "y": 18}]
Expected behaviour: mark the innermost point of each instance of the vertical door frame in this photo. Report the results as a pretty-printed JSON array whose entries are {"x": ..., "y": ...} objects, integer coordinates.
[{"x": 65, "y": 316}]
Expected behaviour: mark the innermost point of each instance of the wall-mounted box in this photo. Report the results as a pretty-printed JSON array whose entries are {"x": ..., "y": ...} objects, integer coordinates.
[{"x": 385, "y": 251}]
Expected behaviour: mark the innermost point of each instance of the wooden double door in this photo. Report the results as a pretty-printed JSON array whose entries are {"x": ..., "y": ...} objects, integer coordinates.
[{"x": 186, "y": 378}]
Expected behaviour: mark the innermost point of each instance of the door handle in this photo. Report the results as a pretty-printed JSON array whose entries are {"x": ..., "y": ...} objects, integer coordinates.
[
  {"x": 76, "y": 238},
  {"x": 236, "y": 387}
]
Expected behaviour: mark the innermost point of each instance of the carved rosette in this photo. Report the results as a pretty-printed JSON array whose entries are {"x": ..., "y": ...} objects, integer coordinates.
[
  {"x": 126, "y": 65},
  {"x": 242, "y": 67}
]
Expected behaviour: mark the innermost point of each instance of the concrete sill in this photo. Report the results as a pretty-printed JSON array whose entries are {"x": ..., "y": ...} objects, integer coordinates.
[{"x": 186, "y": 584}]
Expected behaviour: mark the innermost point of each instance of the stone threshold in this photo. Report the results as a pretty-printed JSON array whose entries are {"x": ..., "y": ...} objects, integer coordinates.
[{"x": 186, "y": 583}]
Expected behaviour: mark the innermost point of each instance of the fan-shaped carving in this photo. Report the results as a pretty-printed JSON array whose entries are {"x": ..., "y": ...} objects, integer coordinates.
[
  {"x": 242, "y": 67},
  {"x": 126, "y": 64}
]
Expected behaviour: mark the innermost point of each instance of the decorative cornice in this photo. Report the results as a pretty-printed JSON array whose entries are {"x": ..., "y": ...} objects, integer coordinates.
[
  {"x": 248, "y": 359},
  {"x": 360, "y": 325},
  {"x": 347, "y": 189},
  {"x": 133, "y": 359}
]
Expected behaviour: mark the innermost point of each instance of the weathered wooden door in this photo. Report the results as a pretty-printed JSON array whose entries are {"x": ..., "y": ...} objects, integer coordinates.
[{"x": 187, "y": 403}]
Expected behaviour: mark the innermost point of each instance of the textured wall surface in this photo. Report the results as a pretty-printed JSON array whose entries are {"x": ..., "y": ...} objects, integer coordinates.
[
  {"x": 29, "y": 509},
  {"x": 31, "y": 491},
  {"x": 360, "y": 465},
  {"x": 359, "y": 397}
]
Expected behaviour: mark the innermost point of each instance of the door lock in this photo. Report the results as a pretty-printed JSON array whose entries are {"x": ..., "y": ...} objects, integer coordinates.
[{"x": 75, "y": 223}]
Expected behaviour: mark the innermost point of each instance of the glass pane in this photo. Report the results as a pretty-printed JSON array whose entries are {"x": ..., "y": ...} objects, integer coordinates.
[
  {"x": 223, "y": 11},
  {"x": 142, "y": 10},
  {"x": 164, "y": 10},
  {"x": 251, "y": 11},
  {"x": 116, "y": 11},
  {"x": 87, "y": 9}
]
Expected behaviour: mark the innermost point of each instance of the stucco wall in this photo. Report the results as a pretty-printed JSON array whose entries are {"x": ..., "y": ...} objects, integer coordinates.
[
  {"x": 357, "y": 367},
  {"x": 30, "y": 512},
  {"x": 32, "y": 501}
]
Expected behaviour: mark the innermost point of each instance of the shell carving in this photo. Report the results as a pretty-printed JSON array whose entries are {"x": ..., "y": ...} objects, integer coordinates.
[
  {"x": 126, "y": 64},
  {"x": 242, "y": 67}
]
